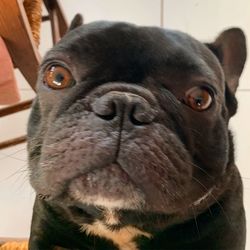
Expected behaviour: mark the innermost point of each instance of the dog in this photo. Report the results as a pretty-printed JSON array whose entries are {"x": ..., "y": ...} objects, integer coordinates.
[{"x": 128, "y": 141}]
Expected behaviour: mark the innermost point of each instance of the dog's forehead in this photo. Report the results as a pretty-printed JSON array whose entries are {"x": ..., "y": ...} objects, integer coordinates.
[{"x": 126, "y": 47}]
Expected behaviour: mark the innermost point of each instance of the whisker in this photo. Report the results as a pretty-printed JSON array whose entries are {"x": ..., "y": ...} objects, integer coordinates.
[
  {"x": 203, "y": 170},
  {"x": 12, "y": 157},
  {"x": 15, "y": 158},
  {"x": 245, "y": 178},
  {"x": 221, "y": 207},
  {"x": 24, "y": 180},
  {"x": 19, "y": 150},
  {"x": 21, "y": 170},
  {"x": 210, "y": 211},
  {"x": 196, "y": 223}
]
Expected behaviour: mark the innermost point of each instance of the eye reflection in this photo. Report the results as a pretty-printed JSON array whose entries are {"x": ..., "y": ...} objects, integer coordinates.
[
  {"x": 198, "y": 98},
  {"x": 58, "y": 77}
]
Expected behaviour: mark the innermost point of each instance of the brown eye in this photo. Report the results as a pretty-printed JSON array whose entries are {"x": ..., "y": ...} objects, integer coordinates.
[
  {"x": 198, "y": 98},
  {"x": 58, "y": 77}
]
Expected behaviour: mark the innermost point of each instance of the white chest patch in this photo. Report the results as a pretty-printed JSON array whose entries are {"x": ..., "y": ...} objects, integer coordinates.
[{"x": 123, "y": 237}]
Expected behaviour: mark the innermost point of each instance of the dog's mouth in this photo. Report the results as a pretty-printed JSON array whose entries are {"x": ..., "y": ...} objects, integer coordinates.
[
  {"x": 103, "y": 194},
  {"x": 110, "y": 187},
  {"x": 117, "y": 194},
  {"x": 121, "y": 185}
]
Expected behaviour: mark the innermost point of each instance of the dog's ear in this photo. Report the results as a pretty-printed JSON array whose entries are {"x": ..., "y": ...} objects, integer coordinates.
[
  {"x": 230, "y": 48},
  {"x": 76, "y": 22}
]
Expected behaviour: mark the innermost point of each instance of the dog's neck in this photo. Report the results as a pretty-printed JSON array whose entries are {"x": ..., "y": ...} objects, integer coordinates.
[{"x": 125, "y": 237}]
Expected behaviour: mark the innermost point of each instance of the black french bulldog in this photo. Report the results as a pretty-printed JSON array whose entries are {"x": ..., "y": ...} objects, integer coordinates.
[{"x": 128, "y": 140}]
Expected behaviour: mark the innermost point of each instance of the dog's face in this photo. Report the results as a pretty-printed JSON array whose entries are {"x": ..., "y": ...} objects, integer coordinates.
[{"x": 132, "y": 118}]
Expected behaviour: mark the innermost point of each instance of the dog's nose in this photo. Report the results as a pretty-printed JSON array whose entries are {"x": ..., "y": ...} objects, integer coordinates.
[{"x": 124, "y": 104}]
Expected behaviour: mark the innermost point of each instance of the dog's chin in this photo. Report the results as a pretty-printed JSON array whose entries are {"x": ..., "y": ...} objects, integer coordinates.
[{"x": 109, "y": 187}]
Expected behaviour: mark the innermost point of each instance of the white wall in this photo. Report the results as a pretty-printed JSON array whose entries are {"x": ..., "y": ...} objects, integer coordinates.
[{"x": 200, "y": 18}]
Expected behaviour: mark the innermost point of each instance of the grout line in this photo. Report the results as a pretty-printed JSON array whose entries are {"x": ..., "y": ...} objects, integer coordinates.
[
  {"x": 15, "y": 158},
  {"x": 13, "y": 153},
  {"x": 27, "y": 89},
  {"x": 243, "y": 90}
]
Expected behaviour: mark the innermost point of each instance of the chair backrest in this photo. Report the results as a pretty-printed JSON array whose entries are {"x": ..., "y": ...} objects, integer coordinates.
[{"x": 22, "y": 40}]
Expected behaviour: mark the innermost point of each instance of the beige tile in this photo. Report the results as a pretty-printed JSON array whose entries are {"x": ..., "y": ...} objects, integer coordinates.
[
  {"x": 13, "y": 150},
  {"x": 205, "y": 19},
  {"x": 13, "y": 125},
  {"x": 143, "y": 12},
  {"x": 46, "y": 38},
  {"x": 27, "y": 94},
  {"x": 21, "y": 82},
  {"x": 16, "y": 198},
  {"x": 240, "y": 125},
  {"x": 2, "y": 156}
]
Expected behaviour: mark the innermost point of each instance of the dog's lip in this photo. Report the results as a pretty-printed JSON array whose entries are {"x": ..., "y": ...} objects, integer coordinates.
[
  {"x": 72, "y": 196},
  {"x": 44, "y": 194},
  {"x": 109, "y": 187},
  {"x": 82, "y": 209}
]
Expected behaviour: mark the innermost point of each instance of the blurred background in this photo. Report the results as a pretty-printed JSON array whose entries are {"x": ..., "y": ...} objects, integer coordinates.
[{"x": 201, "y": 19}]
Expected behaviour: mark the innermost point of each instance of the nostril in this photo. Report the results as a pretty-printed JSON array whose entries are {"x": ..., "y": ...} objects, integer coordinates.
[
  {"x": 104, "y": 108},
  {"x": 142, "y": 114},
  {"x": 133, "y": 119},
  {"x": 107, "y": 117},
  {"x": 109, "y": 113}
]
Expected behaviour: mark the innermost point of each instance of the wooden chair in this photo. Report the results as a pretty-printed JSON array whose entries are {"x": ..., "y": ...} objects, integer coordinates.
[{"x": 20, "y": 22}]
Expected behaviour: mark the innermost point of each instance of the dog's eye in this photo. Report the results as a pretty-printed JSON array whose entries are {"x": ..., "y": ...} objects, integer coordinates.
[
  {"x": 58, "y": 77},
  {"x": 198, "y": 98}
]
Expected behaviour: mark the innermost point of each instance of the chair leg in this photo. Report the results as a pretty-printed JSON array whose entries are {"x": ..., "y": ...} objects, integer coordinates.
[
  {"x": 10, "y": 110},
  {"x": 15, "y": 108},
  {"x": 18, "y": 39},
  {"x": 59, "y": 24},
  {"x": 13, "y": 142}
]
